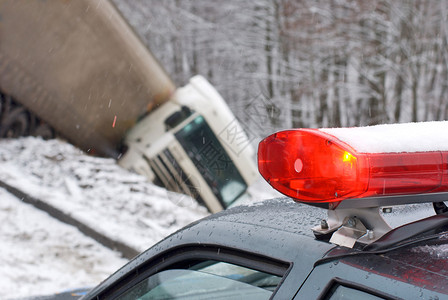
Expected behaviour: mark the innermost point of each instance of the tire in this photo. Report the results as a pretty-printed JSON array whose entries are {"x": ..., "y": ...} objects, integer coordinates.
[
  {"x": 44, "y": 131},
  {"x": 14, "y": 124}
]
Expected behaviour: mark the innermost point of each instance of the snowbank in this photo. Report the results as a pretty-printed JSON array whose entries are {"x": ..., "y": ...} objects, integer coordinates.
[{"x": 123, "y": 205}]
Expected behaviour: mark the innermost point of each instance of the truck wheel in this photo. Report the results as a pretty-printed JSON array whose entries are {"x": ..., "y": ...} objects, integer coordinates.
[
  {"x": 44, "y": 131},
  {"x": 14, "y": 124},
  {"x": 1, "y": 105}
]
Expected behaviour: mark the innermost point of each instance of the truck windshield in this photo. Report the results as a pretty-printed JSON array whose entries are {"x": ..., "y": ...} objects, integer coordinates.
[{"x": 212, "y": 161}]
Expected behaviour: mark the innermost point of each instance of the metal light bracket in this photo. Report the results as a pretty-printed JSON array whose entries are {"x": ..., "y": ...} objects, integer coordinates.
[
  {"x": 357, "y": 220},
  {"x": 351, "y": 225}
]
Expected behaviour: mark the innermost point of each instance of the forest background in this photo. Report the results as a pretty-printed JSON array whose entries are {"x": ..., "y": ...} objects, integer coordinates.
[{"x": 304, "y": 63}]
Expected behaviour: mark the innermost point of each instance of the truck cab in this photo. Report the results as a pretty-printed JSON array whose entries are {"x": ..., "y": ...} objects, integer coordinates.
[{"x": 193, "y": 144}]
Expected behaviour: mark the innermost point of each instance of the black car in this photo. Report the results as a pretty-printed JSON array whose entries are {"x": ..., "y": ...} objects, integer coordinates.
[{"x": 268, "y": 250}]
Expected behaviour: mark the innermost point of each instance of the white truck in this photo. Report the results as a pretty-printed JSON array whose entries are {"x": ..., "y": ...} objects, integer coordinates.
[
  {"x": 77, "y": 69},
  {"x": 194, "y": 145}
]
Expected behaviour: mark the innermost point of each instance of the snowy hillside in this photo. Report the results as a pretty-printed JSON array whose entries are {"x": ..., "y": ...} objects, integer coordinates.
[
  {"x": 43, "y": 255},
  {"x": 96, "y": 191}
]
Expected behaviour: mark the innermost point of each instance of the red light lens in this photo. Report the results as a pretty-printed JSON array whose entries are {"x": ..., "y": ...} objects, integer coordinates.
[
  {"x": 406, "y": 173},
  {"x": 313, "y": 166}
]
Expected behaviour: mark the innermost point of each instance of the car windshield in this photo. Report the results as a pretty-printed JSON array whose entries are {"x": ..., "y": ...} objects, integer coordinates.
[
  {"x": 206, "y": 280},
  {"x": 192, "y": 285}
]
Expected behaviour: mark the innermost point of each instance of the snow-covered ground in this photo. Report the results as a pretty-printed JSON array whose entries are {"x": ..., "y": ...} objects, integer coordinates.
[
  {"x": 39, "y": 255},
  {"x": 96, "y": 191}
]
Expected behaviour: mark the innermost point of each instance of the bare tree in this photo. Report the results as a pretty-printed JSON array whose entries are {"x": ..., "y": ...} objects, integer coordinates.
[{"x": 306, "y": 63}]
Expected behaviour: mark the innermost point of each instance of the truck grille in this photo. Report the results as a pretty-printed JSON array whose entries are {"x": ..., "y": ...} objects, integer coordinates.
[{"x": 172, "y": 176}]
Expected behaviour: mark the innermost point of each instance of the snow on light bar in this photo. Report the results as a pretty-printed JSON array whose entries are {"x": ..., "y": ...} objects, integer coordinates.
[{"x": 329, "y": 165}]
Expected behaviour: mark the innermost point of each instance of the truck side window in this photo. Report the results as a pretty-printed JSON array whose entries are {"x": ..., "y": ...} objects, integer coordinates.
[
  {"x": 177, "y": 117},
  {"x": 205, "y": 280}
]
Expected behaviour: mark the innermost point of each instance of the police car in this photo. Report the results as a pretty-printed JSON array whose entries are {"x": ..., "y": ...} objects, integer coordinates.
[{"x": 327, "y": 239}]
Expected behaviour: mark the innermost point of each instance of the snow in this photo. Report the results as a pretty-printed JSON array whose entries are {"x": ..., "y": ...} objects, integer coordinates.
[
  {"x": 96, "y": 191},
  {"x": 395, "y": 138},
  {"x": 436, "y": 251},
  {"x": 404, "y": 214},
  {"x": 40, "y": 255},
  {"x": 36, "y": 260}
]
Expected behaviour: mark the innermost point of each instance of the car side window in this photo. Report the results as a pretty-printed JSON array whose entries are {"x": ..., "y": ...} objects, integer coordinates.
[
  {"x": 238, "y": 273},
  {"x": 205, "y": 280},
  {"x": 340, "y": 292}
]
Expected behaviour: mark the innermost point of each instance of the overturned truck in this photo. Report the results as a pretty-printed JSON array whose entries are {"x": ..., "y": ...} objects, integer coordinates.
[{"x": 77, "y": 69}]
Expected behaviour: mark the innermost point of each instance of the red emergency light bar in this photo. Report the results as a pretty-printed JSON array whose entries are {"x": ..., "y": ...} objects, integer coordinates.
[{"x": 313, "y": 166}]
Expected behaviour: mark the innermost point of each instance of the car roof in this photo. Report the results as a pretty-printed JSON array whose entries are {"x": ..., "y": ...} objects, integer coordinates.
[
  {"x": 256, "y": 228},
  {"x": 279, "y": 229},
  {"x": 282, "y": 214}
]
